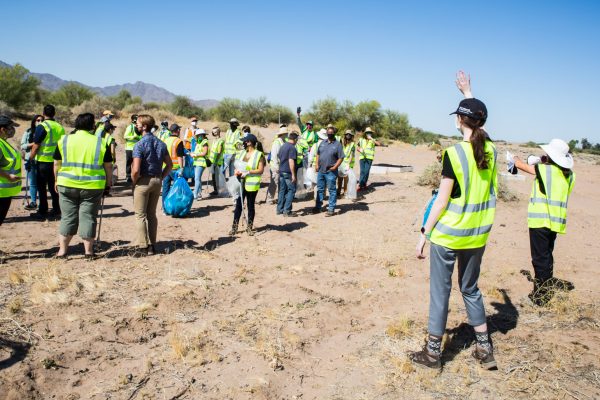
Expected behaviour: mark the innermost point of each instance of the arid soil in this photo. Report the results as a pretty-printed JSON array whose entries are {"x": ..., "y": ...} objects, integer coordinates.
[{"x": 311, "y": 307}]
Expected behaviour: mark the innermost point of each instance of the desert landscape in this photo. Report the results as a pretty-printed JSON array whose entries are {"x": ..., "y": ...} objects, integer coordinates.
[{"x": 308, "y": 308}]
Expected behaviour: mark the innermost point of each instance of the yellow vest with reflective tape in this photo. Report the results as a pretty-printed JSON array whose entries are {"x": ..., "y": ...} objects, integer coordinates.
[
  {"x": 54, "y": 132},
  {"x": 467, "y": 220},
  {"x": 131, "y": 137},
  {"x": 13, "y": 157},
  {"x": 252, "y": 181},
  {"x": 349, "y": 154},
  {"x": 200, "y": 161},
  {"x": 231, "y": 141},
  {"x": 216, "y": 152},
  {"x": 301, "y": 147},
  {"x": 82, "y": 161},
  {"x": 550, "y": 210},
  {"x": 368, "y": 149}
]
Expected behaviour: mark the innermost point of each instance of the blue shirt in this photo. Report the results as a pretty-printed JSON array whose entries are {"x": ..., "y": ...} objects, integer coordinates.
[
  {"x": 288, "y": 151},
  {"x": 329, "y": 154},
  {"x": 152, "y": 151}
]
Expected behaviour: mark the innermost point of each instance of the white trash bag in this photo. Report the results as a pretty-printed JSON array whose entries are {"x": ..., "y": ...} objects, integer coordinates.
[
  {"x": 310, "y": 175},
  {"x": 301, "y": 192},
  {"x": 343, "y": 170},
  {"x": 351, "y": 191},
  {"x": 222, "y": 190},
  {"x": 234, "y": 187}
]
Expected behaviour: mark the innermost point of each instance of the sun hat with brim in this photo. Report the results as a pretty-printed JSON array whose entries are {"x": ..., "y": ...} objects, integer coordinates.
[
  {"x": 5, "y": 121},
  {"x": 108, "y": 112},
  {"x": 349, "y": 132},
  {"x": 283, "y": 131},
  {"x": 322, "y": 134},
  {"x": 199, "y": 132},
  {"x": 558, "y": 151},
  {"x": 234, "y": 121},
  {"x": 369, "y": 130}
]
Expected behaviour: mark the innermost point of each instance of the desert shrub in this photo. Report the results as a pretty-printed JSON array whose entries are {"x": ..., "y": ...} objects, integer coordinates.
[
  {"x": 228, "y": 108},
  {"x": 17, "y": 87},
  {"x": 394, "y": 125},
  {"x": 70, "y": 95},
  {"x": 96, "y": 105},
  {"x": 184, "y": 107},
  {"x": 64, "y": 115},
  {"x": 363, "y": 114},
  {"x": 151, "y": 105},
  {"x": 505, "y": 193},
  {"x": 5, "y": 109},
  {"x": 418, "y": 135},
  {"x": 435, "y": 147},
  {"x": 122, "y": 99},
  {"x": 529, "y": 144},
  {"x": 277, "y": 111},
  {"x": 133, "y": 109},
  {"x": 431, "y": 176}
]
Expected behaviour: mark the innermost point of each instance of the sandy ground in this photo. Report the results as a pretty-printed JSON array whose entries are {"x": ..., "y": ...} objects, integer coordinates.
[{"x": 309, "y": 308}]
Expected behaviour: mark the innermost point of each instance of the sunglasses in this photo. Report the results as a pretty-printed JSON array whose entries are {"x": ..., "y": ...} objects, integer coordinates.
[{"x": 38, "y": 120}]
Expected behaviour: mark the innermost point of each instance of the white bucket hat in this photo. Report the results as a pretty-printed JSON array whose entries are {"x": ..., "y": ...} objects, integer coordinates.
[
  {"x": 322, "y": 134},
  {"x": 558, "y": 151},
  {"x": 199, "y": 132}
]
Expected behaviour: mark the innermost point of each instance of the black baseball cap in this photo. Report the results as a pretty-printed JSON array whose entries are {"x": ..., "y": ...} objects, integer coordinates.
[
  {"x": 174, "y": 128},
  {"x": 249, "y": 138},
  {"x": 5, "y": 121},
  {"x": 473, "y": 108}
]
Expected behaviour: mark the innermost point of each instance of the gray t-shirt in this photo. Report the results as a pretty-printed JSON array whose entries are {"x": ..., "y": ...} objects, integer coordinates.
[{"x": 329, "y": 153}]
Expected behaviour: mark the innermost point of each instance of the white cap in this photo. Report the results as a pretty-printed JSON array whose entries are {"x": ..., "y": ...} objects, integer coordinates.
[
  {"x": 199, "y": 132},
  {"x": 558, "y": 151}
]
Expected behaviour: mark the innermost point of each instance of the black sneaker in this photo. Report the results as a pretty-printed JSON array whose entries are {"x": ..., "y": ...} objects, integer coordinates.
[
  {"x": 316, "y": 210},
  {"x": 424, "y": 358},
  {"x": 30, "y": 206},
  {"x": 485, "y": 357}
]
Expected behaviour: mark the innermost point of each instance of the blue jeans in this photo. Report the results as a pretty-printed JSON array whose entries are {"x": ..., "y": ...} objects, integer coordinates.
[
  {"x": 287, "y": 191},
  {"x": 365, "y": 167},
  {"x": 228, "y": 164},
  {"x": 31, "y": 177},
  {"x": 167, "y": 183},
  {"x": 198, "y": 170},
  {"x": 329, "y": 178}
]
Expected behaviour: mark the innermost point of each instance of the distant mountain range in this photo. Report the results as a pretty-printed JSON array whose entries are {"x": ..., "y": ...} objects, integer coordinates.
[{"x": 147, "y": 91}]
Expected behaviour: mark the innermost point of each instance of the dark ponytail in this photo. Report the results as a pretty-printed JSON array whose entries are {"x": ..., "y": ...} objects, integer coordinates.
[{"x": 478, "y": 139}]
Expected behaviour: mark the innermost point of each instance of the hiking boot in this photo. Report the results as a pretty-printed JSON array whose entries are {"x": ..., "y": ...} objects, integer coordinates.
[
  {"x": 250, "y": 230},
  {"x": 424, "y": 358},
  {"x": 485, "y": 357},
  {"x": 234, "y": 229}
]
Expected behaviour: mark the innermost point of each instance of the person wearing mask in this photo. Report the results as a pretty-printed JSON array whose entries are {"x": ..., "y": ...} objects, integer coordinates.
[
  {"x": 232, "y": 139},
  {"x": 83, "y": 170},
  {"x": 349, "y": 156},
  {"x": 45, "y": 139},
  {"x": 164, "y": 131},
  {"x": 131, "y": 137},
  {"x": 547, "y": 215},
  {"x": 307, "y": 132},
  {"x": 216, "y": 157},
  {"x": 176, "y": 152},
  {"x": 187, "y": 136},
  {"x": 199, "y": 154},
  {"x": 10, "y": 166},
  {"x": 312, "y": 155},
  {"x": 274, "y": 163},
  {"x": 458, "y": 227},
  {"x": 26, "y": 144},
  {"x": 250, "y": 181},
  {"x": 330, "y": 155},
  {"x": 366, "y": 151},
  {"x": 287, "y": 175},
  {"x": 107, "y": 116},
  {"x": 151, "y": 164}
]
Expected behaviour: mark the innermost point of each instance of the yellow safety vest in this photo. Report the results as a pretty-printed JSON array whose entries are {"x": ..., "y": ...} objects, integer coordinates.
[
  {"x": 216, "y": 152},
  {"x": 467, "y": 221},
  {"x": 200, "y": 161},
  {"x": 54, "y": 132},
  {"x": 231, "y": 141},
  {"x": 550, "y": 210},
  {"x": 8, "y": 188},
  {"x": 301, "y": 147},
  {"x": 131, "y": 137},
  {"x": 82, "y": 161},
  {"x": 172, "y": 143},
  {"x": 349, "y": 150},
  {"x": 252, "y": 181},
  {"x": 368, "y": 149},
  {"x": 310, "y": 137}
]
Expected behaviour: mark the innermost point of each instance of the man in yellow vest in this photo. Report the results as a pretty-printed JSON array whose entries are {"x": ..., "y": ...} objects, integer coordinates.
[
  {"x": 45, "y": 139},
  {"x": 83, "y": 168},
  {"x": 547, "y": 214},
  {"x": 307, "y": 132},
  {"x": 164, "y": 132},
  {"x": 232, "y": 140},
  {"x": 274, "y": 164},
  {"x": 177, "y": 153},
  {"x": 199, "y": 155},
  {"x": 217, "y": 148},
  {"x": 10, "y": 166},
  {"x": 131, "y": 136},
  {"x": 366, "y": 151}
]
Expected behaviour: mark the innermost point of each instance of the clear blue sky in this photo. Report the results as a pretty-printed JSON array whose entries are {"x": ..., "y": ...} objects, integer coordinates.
[{"x": 536, "y": 64}]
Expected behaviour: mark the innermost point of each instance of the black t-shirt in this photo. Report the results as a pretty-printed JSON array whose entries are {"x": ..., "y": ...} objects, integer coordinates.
[
  {"x": 448, "y": 172},
  {"x": 288, "y": 151},
  {"x": 107, "y": 154}
]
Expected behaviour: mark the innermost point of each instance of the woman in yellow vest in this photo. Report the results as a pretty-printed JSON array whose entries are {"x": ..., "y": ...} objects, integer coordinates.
[
  {"x": 349, "y": 157},
  {"x": 216, "y": 157},
  {"x": 547, "y": 215},
  {"x": 83, "y": 168},
  {"x": 458, "y": 226},
  {"x": 366, "y": 151},
  {"x": 10, "y": 166},
  {"x": 250, "y": 180},
  {"x": 199, "y": 154}
]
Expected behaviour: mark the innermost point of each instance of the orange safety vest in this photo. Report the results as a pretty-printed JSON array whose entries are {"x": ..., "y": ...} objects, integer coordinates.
[
  {"x": 172, "y": 142},
  {"x": 187, "y": 143}
]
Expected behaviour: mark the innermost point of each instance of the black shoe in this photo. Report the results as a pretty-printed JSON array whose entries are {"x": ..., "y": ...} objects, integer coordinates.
[
  {"x": 425, "y": 359},
  {"x": 250, "y": 230},
  {"x": 234, "y": 229},
  {"x": 316, "y": 210},
  {"x": 150, "y": 251},
  {"x": 213, "y": 193},
  {"x": 30, "y": 206}
]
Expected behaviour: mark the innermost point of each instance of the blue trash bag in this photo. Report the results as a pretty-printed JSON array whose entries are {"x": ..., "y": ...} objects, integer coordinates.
[
  {"x": 429, "y": 205},
  {"x": 188, "y": 170},
  {"x": 178, "y": 202}
]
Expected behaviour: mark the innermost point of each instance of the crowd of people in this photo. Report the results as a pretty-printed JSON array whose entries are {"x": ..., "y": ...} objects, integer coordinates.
[{"x": 77, "y": 169}]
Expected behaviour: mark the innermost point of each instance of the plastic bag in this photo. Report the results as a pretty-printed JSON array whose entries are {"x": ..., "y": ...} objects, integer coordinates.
[
  {"x": 308, "y": 184},
  {"x": 240, "y": 165},
  {"x": 221, "y": 182},
  {"x": 428, "y": 207},
  {"x": 301, "y": 191},
  {"x": 188, "y": 170},
  {"x": 178, "y": 202},
  {"x": 311, "y": 175},
  {"x": 343, "y": 170},
  {"x": 351, "y": 190},
  {"x": 234, "y": 187}
]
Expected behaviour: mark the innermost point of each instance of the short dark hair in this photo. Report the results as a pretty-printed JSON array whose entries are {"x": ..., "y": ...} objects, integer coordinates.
[
  {"x": 85, "y": 122},
  {"x": 134, "y": 117},
  {"x": 246, "y": 128},
  {"x": 49, "y": 111}
]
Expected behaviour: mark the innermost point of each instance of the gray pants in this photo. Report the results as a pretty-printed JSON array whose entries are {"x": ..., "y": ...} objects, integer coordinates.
[
  {"x": 442, "y": 261},
  {"x": 273, "y": 185}
]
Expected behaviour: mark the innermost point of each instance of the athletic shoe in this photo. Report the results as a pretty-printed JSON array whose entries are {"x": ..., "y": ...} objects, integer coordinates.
[
  {"x": 424, "y": 358},
  {"x": 485, "y": 357},
  {"x": 30, "y": 206}
]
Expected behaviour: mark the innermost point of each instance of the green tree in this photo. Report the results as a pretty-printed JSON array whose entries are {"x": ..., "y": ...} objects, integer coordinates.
[
  {"x": 573, "y": 145},
  {"x": 326, "y": 111},
  {"x": 364, "y": 114},
  {"x": 394, "y": 125},
  {"x": 585, "y": 144},
  {"x": 228, "y": 108},
  {"x": 184, "y": 107},
  {"x": 17, "y": 87},
  {"x": 254, "y": 111},
  {"x": 124, "y": 98},
  {"x": 70, "y": 95}
]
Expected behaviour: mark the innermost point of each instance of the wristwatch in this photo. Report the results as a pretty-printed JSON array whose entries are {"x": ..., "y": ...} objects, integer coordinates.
[{"x": 427, "y": 236}]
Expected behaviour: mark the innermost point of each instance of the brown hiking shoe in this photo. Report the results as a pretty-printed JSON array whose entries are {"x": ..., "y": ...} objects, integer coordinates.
[
  {"x": 424, "y": 358},
  {"x": 485, "y": 357}
]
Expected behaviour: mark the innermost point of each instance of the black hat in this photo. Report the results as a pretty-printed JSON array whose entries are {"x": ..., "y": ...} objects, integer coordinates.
[
  {"x": 174, "y": 128},
  {"x": 249, "y": 138},
  {"x": 473, "y": 108},
  {"x": 164, "y": 123},
  {"x": 5, "y": 121}
]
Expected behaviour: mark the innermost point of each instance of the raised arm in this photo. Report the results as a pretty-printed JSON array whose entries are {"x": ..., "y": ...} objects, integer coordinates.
[{"x": 463, "y": 83}]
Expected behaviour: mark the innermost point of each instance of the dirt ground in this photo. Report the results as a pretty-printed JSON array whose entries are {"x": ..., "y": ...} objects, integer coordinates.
[{"x": 309, "y": 308}]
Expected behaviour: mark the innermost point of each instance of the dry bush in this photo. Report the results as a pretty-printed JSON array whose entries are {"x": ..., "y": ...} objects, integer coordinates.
[
  {"x": 401, "y": 328},
  {"x": 431, "y": 177},
  {"x": 198, "y": 348},
  {"x": 435, "y": 147},
  {"x": 96, "y": 105},
  {"x": 505, "y": 193}
]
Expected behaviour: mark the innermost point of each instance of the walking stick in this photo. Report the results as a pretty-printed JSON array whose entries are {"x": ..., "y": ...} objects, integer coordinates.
[
  {"x": 26, "y": 198},
  {"x": 242, "y": 199},
  {"x": 97, "y": 244}
]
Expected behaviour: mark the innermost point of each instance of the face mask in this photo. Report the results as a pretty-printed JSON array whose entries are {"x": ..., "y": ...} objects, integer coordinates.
[
  {"x": 152, "y": 130},
  {"x": 245, "y": 145},
  {"x": 348, "y": 137},
  {"x": 137, "y": 130},
  {"x": 331, "y": 136},
  {"x": 194, "y": 123},
  {"x": 457, "y": 124}
]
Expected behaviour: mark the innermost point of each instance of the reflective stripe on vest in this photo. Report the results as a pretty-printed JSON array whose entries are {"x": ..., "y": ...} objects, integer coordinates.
[
  {"x": 309, "y": 136},
  {"x": 467, "y": 221},
  {"x": 216, "y": 152},
  {"x": 368, "y": 149},
  {"x": 82, "y": 163},
  {"x": 54, "y": 131},
  {"x": 231, "y": 140},
  {"x": 172, "y": 143},
  {"x": 200, "y": 161},
  {"x": 349, "y": 154},
  {"x": 550, "y": 210},
  {"x": 252, "y": 181},
  {"x": 131, "y": 138},
  {"x": 7, "y": 188}
]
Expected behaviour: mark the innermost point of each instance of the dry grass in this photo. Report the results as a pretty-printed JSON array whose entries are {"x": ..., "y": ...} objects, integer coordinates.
[
  {"x": 431, "y": 176},
  {"x": 401, "y": 328},
  {"x": 505, "y": 193},
  {"x": 197, "y": 348}
]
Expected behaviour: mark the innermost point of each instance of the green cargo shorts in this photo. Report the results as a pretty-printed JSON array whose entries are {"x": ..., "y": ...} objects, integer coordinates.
[{"x": 79, "y": 209}]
